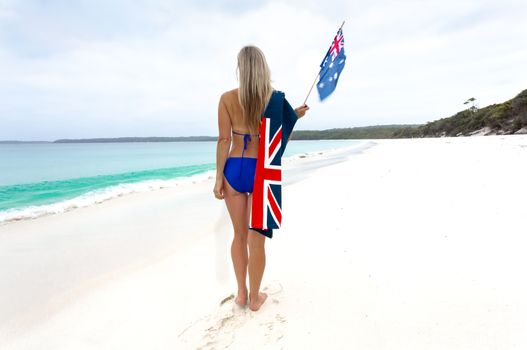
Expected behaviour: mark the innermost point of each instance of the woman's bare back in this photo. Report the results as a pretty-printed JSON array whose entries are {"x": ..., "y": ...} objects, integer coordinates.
[{"x": 238, "y": 124}]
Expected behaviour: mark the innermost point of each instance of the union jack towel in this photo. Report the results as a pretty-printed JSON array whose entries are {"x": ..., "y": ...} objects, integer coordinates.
[{"x": 277, "y": 123}]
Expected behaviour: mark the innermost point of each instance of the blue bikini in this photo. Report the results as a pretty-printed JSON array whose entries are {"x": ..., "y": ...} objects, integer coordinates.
[{"x": 240, "y": 171}]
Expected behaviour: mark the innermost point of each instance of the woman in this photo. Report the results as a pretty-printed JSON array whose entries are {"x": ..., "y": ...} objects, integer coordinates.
[{"x": 239, "y": 111}]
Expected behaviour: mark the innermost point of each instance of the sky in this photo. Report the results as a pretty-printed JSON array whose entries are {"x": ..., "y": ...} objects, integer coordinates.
[{"x": 114, "y": 68}]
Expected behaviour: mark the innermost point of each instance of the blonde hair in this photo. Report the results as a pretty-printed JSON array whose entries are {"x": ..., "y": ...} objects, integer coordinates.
[{"x": 255, "y": 85}]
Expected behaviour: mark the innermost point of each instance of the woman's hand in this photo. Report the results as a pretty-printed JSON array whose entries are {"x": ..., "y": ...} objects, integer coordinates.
[
  {"x": 218, "y": 189},
  {"x": 300, "y": 111}
]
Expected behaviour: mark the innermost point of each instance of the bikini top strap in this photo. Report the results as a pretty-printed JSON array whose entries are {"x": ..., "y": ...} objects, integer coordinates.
[
  {"x": 243, "y": 134},
  {"x": 246, "y": 138}
]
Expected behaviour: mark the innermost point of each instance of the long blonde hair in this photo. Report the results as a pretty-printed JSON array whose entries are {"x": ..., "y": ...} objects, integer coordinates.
[{"x": 255, "y": 85}]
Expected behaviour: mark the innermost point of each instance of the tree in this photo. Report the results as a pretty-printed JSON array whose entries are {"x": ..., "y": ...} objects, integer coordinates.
[{"x": 473, "y": 106}]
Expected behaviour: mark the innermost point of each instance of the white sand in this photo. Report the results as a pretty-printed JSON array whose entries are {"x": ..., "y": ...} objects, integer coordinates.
[{"x": 411, "y": 244}]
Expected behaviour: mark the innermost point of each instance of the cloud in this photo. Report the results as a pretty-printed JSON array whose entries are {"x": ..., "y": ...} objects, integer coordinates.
[{"x": 90, "y": 69}]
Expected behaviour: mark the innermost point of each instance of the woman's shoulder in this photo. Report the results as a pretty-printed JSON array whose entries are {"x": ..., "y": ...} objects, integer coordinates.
[
  {"x": 230, "y": 93},
  {"x": 229, "y": 97}
]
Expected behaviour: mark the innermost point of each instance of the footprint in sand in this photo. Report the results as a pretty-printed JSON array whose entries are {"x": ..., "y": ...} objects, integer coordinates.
[
  {"x": 220, "y": 329},
  {"x": 215, "y": 330},
  {"x": 275, "y": 323},
  {"x": 274, "y": 329}
]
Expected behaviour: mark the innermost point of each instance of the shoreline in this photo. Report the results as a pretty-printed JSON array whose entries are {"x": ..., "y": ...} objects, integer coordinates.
[{"x": 108, "y": 193}]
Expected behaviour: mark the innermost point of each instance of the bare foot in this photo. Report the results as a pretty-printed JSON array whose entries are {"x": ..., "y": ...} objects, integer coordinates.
[
  {"x": 241, "y": 299},
  {"x": 256, "y": 303}
]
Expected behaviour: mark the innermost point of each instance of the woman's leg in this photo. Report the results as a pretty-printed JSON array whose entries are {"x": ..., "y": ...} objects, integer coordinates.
[
  {"x": 256, "y": 265},
  {"x": 237, "y": 205}
]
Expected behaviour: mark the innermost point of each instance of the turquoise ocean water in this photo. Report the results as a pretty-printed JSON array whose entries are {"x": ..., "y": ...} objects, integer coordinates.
[{"x": 36, "y": 179}]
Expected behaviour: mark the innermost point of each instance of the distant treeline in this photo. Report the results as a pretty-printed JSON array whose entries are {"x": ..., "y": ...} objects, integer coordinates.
[
  {"x": 365, "y": 132},
  {"x": 508, "y": 117}
]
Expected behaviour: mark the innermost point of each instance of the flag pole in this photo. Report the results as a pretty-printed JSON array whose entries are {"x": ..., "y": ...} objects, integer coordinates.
[
  {"x": 319, "y": 71},
  {"x": 311, "y": 88}
]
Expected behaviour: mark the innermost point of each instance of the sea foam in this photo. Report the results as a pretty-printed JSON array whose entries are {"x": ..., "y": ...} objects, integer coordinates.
[{"x": 99, "y": 196}]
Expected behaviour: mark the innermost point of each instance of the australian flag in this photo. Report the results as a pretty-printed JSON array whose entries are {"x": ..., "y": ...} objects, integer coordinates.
[{"x": 331, "y": 67}]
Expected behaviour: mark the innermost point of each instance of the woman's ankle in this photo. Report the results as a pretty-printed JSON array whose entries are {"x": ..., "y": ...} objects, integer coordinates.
[{"x": 254, "y": 295}]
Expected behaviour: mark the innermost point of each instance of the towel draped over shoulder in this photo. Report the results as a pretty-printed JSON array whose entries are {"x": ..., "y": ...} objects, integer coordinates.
[{"x": 276, "y": 125}]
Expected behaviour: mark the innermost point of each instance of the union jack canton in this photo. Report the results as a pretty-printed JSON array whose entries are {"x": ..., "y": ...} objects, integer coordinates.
[{"x": 277, "y": 123}]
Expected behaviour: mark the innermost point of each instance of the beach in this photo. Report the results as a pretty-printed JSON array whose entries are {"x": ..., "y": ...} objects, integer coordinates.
[{"x": 392, "y": 244}]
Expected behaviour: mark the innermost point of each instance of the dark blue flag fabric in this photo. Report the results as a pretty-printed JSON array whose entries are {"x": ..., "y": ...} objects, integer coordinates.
[
  {"x": 331, "y": 67},
  {"x": 277, "y": 123}
]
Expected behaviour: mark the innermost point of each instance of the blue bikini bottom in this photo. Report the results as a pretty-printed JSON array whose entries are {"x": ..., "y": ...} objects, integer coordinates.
[{"x": 240, "y": 172}]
